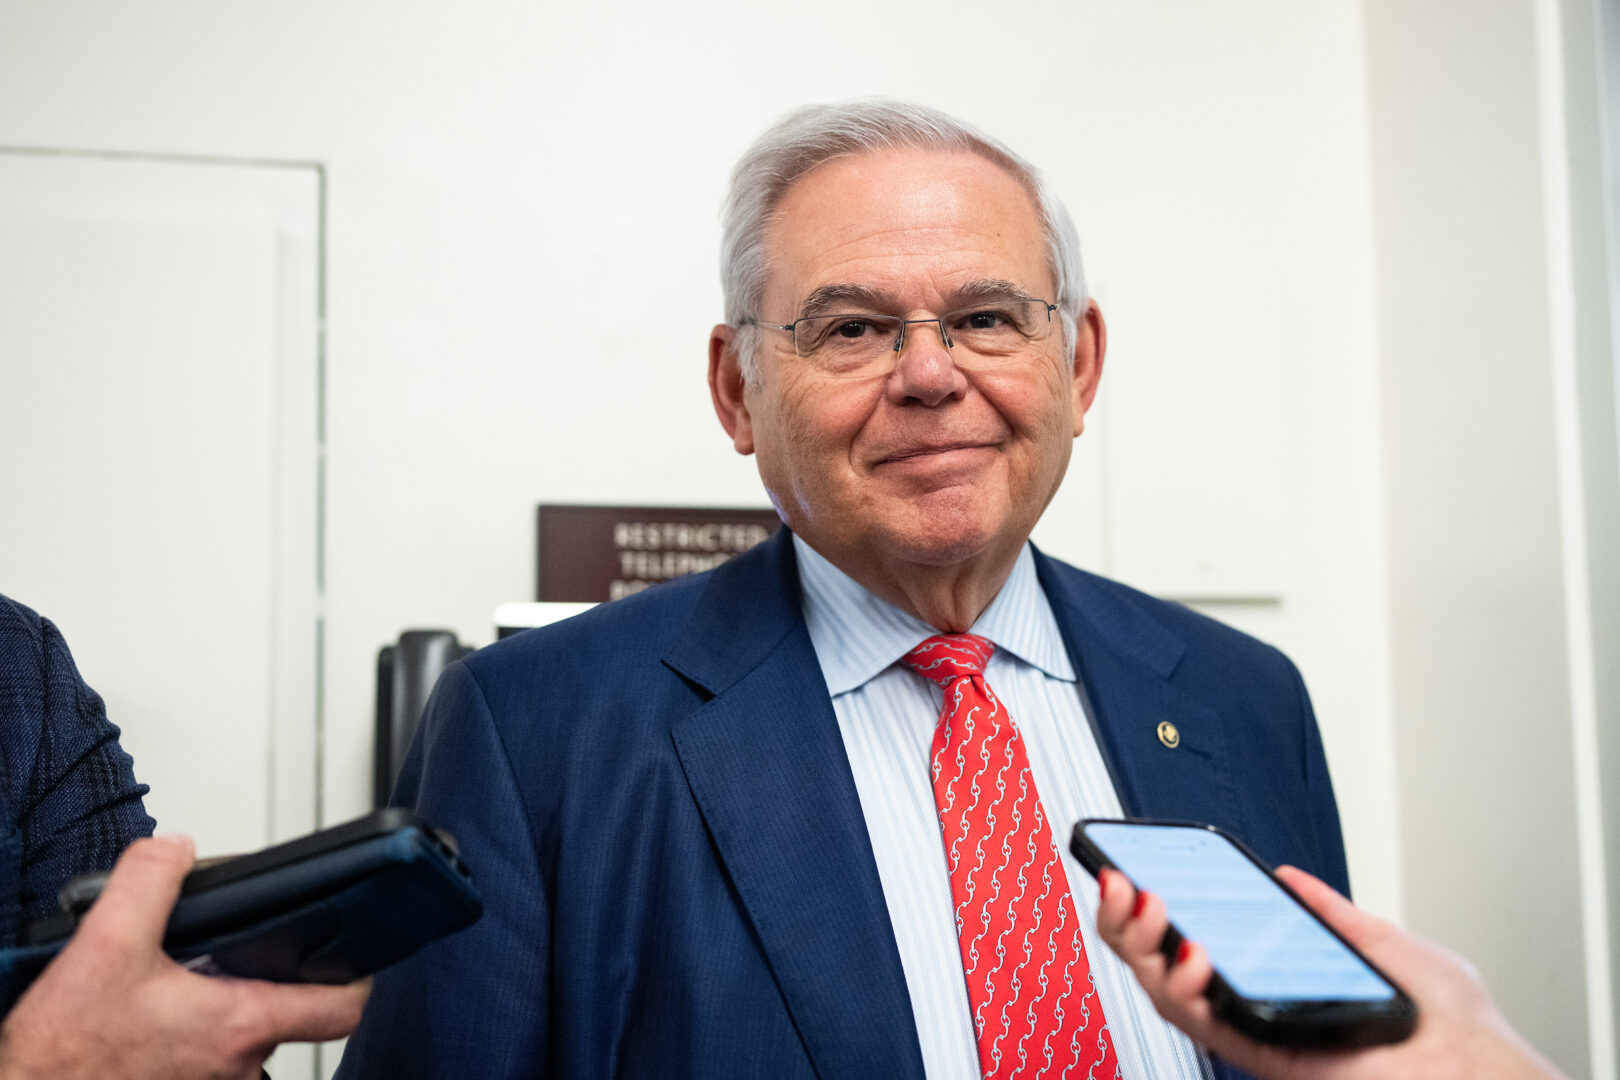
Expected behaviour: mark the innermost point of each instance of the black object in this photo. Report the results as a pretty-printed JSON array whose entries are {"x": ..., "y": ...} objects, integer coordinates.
[
  {"x": 329, "y": 907},
  {"x": 1265, "y": 931},
  {"x": 406, "y": 672}
]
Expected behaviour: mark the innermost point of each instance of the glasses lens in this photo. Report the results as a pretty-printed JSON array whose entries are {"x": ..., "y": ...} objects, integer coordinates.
[
  {"x": 846, "y": 344},
  {"x": 1000, "y": 328}
]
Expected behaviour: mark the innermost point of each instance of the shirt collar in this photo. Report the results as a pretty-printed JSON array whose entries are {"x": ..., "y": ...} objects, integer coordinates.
[{"x": 857, "y": 635}]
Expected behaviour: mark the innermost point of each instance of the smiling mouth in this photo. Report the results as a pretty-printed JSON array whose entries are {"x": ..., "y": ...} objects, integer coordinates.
[{"x": 924, "y": 452}]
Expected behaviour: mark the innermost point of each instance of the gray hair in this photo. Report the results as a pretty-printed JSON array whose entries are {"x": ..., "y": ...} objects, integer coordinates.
[{"x": 816, "y": 134}]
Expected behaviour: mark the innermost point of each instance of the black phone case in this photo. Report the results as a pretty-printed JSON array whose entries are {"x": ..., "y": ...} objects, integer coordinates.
[
  {"x": 1299, "y": 1024},
  {"x": 330, "y": 907}
]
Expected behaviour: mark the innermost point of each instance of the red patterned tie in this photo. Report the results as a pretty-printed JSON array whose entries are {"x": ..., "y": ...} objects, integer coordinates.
[{"x": 1035, "y": 1008}]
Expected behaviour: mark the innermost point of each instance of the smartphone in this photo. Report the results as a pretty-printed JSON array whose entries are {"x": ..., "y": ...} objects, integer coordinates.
[
  {"x": 226, "y": 891},
  {"x": 329, "y": 907},
  {"x": 1282, "y": 976}
]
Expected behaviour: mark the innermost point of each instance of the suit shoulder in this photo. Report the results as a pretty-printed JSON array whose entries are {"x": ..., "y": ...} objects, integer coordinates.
[
  {"x": 21, "y": 628},
  {"x": 32, "y": 650},
  {"x": 1206, "y": 639},
  {"x": 607, "y": 659}
]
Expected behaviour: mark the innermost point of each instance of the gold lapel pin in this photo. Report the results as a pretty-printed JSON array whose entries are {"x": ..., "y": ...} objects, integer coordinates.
[{"x": 1169, "y": 735}]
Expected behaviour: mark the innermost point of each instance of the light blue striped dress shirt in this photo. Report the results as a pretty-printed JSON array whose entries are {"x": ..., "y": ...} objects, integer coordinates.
[{"x": 887, "y": 716}]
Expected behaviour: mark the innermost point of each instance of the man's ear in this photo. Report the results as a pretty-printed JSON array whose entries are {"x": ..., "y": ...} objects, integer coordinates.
[
  {"x": 1090, "y": 345},
  {"x": 728, "y": 388}
]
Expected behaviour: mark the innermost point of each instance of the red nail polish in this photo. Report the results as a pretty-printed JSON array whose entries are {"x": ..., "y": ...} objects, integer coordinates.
[
  {"x": 1183, "y": 951},
  {"x": 1102, "y": 888},
  {"x": 1141, "y": 903}
]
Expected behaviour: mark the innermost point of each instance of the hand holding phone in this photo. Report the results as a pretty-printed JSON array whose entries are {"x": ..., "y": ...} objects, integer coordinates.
[
  {"x": 1459, "y": 1033},
  {"x": 1280, "y": 976},
  {"x": 330, "y": 907},
  {"x": 112, "y": 1005}
]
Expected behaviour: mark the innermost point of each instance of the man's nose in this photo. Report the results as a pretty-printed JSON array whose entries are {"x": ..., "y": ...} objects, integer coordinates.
[{"x": 925, "y": 371}]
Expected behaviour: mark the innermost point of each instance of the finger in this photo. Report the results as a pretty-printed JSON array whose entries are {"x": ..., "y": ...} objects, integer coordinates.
[
  {"x": 1144, "y": 933},
  {"x": 134, "y": 906},
  {"x": 1189, "y": 978},
  {"x": 1334, "y": 909},
  {"x": 307, "y": 1013},
  {"x": 1183, "y": 1003},
  {"x": 1318, "y": 894},
  {"x": 1115, "y": 898}
]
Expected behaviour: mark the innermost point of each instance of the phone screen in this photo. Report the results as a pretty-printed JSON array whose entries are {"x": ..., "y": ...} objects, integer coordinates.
[{"x": 1265, "y": 945}]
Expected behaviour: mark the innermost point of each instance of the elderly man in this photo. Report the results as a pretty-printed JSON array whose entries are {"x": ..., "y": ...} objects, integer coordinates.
[{"x": 807, "y": 814}]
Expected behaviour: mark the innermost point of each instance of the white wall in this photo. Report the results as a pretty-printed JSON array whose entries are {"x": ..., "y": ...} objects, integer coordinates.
[
  {"x": 1597, "y": 263},
  {"x": 1502, "y": 508},
  {"x": 117, "y": 372}
]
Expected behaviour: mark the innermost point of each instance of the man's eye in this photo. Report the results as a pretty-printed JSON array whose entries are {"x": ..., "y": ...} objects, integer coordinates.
[
  {"x": 988, "y": 319},
  {"x": 996, "y": 322},
  {"x": 984, "y": 319},
  {"x": 852, "y": 328}
]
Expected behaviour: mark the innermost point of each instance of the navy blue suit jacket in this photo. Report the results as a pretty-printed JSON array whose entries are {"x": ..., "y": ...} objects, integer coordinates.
[{"x": 656, "y": 802}]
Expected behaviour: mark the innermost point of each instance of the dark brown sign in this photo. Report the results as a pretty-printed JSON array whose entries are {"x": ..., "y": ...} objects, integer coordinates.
[{"x": 595, "y": 553}]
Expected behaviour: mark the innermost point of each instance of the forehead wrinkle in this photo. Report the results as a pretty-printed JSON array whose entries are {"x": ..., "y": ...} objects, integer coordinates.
[
  {"x": 918, "y": 240},
  {"x": 932, "y": 251}
]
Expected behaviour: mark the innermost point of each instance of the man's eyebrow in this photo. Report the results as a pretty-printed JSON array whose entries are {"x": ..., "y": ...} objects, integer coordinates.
[
  {"x": 840, "y": 297},
  {"x": 983, "y": 291}
]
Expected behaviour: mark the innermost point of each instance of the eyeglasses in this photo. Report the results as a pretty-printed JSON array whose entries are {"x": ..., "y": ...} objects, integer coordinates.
[{"x": 986, "y": 335}]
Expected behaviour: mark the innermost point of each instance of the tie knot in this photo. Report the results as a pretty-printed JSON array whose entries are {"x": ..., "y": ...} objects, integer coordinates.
[{"x": 950, "y": 656}]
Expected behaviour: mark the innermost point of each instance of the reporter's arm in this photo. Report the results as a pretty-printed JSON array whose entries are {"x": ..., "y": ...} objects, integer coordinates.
[
  {"x": 1459, "y": 1032},
  {"x": 114, "y": 1005}
]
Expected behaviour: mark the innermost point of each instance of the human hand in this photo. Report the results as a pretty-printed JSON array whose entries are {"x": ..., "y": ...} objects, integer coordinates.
[
  {"x": 114, "y": 1006},
  {"x": 1459, "y": 1032}
]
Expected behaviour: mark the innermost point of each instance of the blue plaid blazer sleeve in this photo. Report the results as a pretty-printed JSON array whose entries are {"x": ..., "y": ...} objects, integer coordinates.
[{"x": 69, "y": 803}]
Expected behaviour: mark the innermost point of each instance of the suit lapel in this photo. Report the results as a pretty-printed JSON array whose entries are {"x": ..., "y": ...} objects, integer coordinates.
[
  {"x": 1125, "y": 660},
  {"x": 767, "y": 766}
]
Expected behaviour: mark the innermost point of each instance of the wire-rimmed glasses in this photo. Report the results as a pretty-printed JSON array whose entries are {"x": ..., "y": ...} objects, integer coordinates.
[{"x": 864, "y": 343}]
